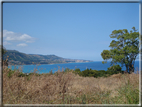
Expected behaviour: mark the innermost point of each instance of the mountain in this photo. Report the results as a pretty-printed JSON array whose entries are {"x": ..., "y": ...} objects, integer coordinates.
[{"x": 19, "y": 58}]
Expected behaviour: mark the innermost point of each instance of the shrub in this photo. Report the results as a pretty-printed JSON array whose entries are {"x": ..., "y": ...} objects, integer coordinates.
[
  {"x": 85, "y": 73},
  {"x": 128, "y": 94},
  {"x": 21, "y": 74},
  {"x": 77, "y": 71},
  {"x": 94, "y": 73},
  {"x": 101, "y": 73},
  {"x": 10, "y": 73},
  {"x": 89, "y": 73},
  {"x": 115, "y": 69},
  {"x": 67, "y": 70}
]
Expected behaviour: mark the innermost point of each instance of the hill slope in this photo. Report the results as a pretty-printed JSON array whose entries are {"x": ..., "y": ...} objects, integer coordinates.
[{"x": 16, "y": 57}]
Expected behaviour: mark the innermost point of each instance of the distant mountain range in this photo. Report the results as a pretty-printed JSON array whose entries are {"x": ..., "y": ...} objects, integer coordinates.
[{"x": 19, "y": 58}]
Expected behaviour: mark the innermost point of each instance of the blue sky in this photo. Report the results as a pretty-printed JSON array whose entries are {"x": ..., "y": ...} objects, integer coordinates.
[{"x": 68, "y": 30}]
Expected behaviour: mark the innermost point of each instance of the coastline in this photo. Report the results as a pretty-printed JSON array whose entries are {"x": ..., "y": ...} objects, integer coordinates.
[
  {"x": 52, "y": 63},
  {"x": 46, "y": 68}
]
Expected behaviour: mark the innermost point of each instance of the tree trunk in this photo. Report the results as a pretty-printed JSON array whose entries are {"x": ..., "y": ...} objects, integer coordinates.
[
  {"x": 127, "y": 70},
  {"x": 131, "y": 68}
]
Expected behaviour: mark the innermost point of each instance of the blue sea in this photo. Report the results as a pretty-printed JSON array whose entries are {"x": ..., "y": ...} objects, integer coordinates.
[{"x": 46, "y": 68}]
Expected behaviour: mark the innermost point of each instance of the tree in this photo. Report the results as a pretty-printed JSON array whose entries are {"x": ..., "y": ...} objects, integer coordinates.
[
  {"x": 2, "y": 49},
  {"x": 124, "y": 50}
]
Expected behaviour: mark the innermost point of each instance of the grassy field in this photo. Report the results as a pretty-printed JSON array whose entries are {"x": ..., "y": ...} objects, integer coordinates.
[{"x": 69, "y": 88}]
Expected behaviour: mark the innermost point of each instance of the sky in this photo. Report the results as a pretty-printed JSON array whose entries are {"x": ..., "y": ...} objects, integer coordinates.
[{"x": 68, "y": 30}]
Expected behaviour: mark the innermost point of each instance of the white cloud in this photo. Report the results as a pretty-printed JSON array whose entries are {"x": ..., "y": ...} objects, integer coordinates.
[
  {"x": 7, "y": 33},
  {"x": 12, "y": 36},
  {"x": 22, "y": 44},
  {"x": 6, "y": 43}
]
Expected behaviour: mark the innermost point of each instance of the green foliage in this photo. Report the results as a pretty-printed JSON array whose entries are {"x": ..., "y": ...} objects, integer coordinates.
[
  {"x": 67, "y": 70},
  {"x": 10, "y": 73},
  {"x": 114, "y": 68},
  {"x": 104, "y": 62},
  {"x": 124, "y": 50},
  {"x": 99, "y": 73},
  {"x": 28, "y": 78},
  {"x": 77, "y": 71},
  {"x": 89, "y": 73},
  {"x": 84, "y": 99},
  {"x": 21, "y": 74},
  {"x": 2, "y": 49},
  {"x": 27, "y": 75},
  {"x": 24, "y": 75},
  {"x": 106, "y": 54},
  {"x": 128, "y": 94}
]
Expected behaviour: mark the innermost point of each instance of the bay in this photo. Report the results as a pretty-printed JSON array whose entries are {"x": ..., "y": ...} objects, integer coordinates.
[{"x": 46, "y": 68}]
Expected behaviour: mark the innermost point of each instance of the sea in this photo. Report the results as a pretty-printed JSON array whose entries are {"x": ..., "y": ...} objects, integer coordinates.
[{"x": 46, "y": 68}]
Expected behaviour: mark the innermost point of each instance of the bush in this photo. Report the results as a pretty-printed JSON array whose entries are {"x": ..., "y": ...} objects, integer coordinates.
[
  {"x": 114, "y": 68},
  {"x": 93, "y": 73},
  {"x": 128, "y": 94},
  {"x": 21, "y": 74},
  {"x": 10, "y": 73},
  {"x": 101, "y": 73},
  {"x": 67, "y": 70},
  {"x": 87, "y": 73},
  {"x": 77, "y": 71}
]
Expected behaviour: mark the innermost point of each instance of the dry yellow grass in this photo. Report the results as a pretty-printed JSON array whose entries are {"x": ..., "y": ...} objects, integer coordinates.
[{"x": 62, "y": 88}]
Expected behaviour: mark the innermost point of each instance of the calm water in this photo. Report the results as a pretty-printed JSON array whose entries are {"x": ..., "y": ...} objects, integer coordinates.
[{"x": 97, "y": 65}]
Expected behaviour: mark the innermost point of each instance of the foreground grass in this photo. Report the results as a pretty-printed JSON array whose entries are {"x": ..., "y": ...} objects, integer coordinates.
[{"x": 69, "y": 88}]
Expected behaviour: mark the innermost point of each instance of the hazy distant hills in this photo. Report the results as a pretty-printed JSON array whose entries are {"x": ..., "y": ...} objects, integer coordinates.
[{"x": 18, "y": 58}]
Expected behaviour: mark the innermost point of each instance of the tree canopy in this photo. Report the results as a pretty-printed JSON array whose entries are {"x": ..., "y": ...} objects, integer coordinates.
[{"x": 124, "y": 49}]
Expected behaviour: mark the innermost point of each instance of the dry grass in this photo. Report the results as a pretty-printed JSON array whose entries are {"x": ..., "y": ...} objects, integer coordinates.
[{"x": 64, "y": 88}]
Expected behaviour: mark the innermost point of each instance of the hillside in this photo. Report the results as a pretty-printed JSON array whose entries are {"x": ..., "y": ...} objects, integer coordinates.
[{"x": 18, "y": 58}]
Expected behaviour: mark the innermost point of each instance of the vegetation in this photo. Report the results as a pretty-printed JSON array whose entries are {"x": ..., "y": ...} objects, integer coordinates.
[
  {"x": 112, "y": 86},
  {"x": 115, "y": 69},
  {"x": 125, "y": 49},
  {"x": 69, "y": 88},
  {"x": 2, "y": 49}
]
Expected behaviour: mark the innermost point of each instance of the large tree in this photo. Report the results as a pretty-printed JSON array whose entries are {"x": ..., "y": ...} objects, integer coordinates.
[{"x": 124, "y": 49}]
